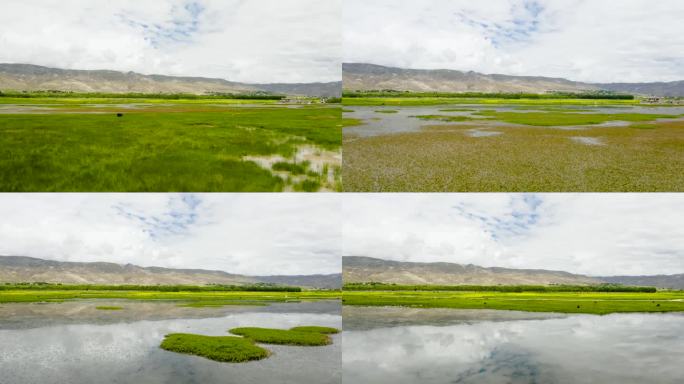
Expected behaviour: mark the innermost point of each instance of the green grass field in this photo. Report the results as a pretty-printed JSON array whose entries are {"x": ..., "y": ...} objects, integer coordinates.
[
  {"x": 167, "y": 146},
  {"x": 239, "y": 349},
  {"x": 230, "y": 349},
  {"x": 565, "y": 302},
  {"x": 284, "y": 336},
  {"x": 399, "y": 101},
  {"x": 204, "y": 298}
]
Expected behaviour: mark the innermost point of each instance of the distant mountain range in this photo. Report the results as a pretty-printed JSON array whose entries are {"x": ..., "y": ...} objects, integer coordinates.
[
  {"x": 365, "y": 77},
  {"x": 18, "y": 269},
  {"x": 27, "y": 77},
  {"x": 358, "y": 269}
]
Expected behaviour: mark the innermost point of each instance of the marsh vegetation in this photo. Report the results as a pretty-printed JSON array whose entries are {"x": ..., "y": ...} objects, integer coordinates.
[
  {"x": 231, "y": 349},
  {"x": 85, "y": 345},
  {"x": 522, "y": 145},
  {"x": 91, "y": 144},
  {"x": 304, "y": 336},
  {"x": 207, "y": 297},
  {"x": 600, "y": 303}
]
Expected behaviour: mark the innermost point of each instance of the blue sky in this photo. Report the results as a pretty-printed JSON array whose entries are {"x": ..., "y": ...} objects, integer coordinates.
[
  {"x": 595, "y": 234},
  {"x": 582, "y": 40},
  {"x": 256, "y": 234},
  {"x": 248, "y": 41}
]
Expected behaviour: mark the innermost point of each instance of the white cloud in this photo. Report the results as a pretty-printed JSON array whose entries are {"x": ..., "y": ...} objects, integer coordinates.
[
  {"x": 582, "y": 40},
  {"x": 258, "y": 234},
  {"x": 238, "y": 40},
  {"x": 595, "y": 234}
]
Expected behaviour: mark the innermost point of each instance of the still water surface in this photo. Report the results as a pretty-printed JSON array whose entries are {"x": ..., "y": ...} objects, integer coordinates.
[
  {"x": 74, "y": 343},
  {"x": 400, "y": 345}
]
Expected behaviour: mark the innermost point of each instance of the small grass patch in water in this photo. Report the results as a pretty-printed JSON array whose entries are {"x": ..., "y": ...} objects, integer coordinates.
[
  {"x": 444, "y": 118},
  {"x": 386, "y": 111},
  {"x": 282, "y": 336},
  {"x": 230, "y": 349},
  {"x": 307, "y": 185},
  {"x": 313, "y": 328},
  {"x": 109, "y": 308},
  {"x": 205, "y": 304},
  {"x": 548, "y": 119},
  {"x": 293, "y": 168}
]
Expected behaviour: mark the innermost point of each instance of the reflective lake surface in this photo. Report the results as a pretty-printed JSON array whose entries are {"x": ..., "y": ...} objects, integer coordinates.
[
  {"x": 403, "y": 345},
  {"x": 73, "y": 342}
]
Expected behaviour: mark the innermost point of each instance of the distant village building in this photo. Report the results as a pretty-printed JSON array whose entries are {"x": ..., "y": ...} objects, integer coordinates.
[{"x": 652, "y": 100}]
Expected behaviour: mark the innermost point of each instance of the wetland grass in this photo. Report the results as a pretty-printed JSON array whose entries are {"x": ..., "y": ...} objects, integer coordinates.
[
  {"x": 599, "y": 303},
  {"x": 444, "y": 118},
  {"x": 306, "y": 337},
  {"x": 166, "y": 148},
  {"x": 522, "y": 158},
  {"x": 230, "y": 349},
  {"x": 447, "y": 101},
  {"x": 109, "y": 308},
  {"x": 312, "y": 328},
  {"x": 556, "y": 118},
  {"x": 183, "y": 297}
]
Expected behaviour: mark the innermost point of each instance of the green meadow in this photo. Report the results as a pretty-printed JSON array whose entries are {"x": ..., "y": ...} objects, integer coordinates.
[
  {"x": 599, "y": 303},
  {"x": 310, "y": 337},
  {"x": 240, "y": 349},
  {"x": 215, "y": 145},
  {"x": 184, "y": 298},
  {"x": 230, "y": 349},
  {"x": 405, "y": 101}
]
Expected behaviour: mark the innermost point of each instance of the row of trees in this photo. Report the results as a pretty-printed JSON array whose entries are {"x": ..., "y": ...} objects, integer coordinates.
[{"x": 484, "y": 95}]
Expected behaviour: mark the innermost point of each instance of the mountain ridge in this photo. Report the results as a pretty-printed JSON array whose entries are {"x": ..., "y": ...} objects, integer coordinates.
[
  {"x": 361, "y": 269},
  {"x": 366, "y": 77},
  {"x": 29, "y": 77},
  {"x": 24, "y": 269}
]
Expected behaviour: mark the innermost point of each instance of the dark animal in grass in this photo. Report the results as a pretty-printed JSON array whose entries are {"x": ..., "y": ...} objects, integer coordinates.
[{"x": 119, "y": 115}]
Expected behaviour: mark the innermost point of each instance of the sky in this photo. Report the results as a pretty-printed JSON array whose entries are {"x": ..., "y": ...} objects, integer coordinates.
[
  {"x": 255, "y": 234},
  {"x": 591, "y": 234},
  {"x": 255, "y": 41},
  {"x": 581, "y": 40}
]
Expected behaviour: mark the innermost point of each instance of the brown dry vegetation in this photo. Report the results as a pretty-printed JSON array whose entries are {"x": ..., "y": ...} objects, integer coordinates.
[{"x": 445, "y": 158}]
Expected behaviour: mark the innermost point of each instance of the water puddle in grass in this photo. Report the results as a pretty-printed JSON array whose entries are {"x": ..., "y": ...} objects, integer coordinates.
[
  {"x": 319, "y": 161},
  {"x": 405, "y": 345},
  {"x": 67, "y": 343},
  {"x": 376, "y": 123},
  {"x": 588, "y": 140},
  {"x": 481, "y": 133}
]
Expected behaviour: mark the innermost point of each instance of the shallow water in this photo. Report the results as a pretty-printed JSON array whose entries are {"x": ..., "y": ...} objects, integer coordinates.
[
  {"x": 430, "y": 346},
  {"x": 587, "y": 140},
  {"x": 115, "y": 347},
  {"x": 376, "y": 124}
]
